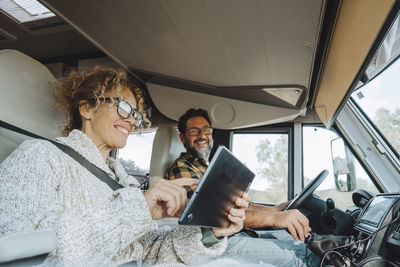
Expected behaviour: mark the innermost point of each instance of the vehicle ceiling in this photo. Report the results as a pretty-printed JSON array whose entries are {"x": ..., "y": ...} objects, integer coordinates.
[
  {"x": 200, "y": 46},
  {"x": 249, "y": 62}
]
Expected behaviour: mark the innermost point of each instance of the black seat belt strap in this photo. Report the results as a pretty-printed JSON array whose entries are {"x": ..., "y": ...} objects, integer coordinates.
[{"x": 99, "y": 173}]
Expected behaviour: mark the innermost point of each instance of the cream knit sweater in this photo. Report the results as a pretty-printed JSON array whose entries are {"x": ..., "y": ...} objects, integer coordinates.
[{"x": 41, "y": 187}]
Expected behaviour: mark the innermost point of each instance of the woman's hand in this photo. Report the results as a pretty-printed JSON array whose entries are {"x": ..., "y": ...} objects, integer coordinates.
[
  {"x": 236, "y": 216},
  {"x": 168, "y": 198}
]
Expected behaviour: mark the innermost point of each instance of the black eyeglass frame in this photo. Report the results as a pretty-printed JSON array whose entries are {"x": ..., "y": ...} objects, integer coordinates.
[
  {"x": 198, "y": 130},
  {"x": 137, "y": 115}
]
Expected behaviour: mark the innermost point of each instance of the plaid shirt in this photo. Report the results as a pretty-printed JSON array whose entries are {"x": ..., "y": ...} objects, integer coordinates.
[{"x": 186, "y": 166}]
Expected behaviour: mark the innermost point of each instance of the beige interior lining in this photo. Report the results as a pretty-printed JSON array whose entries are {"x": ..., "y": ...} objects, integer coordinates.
[{"x": 357, "y": 26}]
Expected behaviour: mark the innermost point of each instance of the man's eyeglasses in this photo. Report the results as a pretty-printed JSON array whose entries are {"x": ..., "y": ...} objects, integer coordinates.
[
  {"x": 124, "y": 109},
  {"x": 196, "y": 131}
]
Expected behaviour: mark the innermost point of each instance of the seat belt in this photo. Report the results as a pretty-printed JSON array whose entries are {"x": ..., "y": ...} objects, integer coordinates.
[{"x": 96, "y": 171}]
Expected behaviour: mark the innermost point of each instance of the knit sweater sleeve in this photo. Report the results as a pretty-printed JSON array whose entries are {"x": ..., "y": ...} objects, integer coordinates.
[{"x": 180, "y": 244}]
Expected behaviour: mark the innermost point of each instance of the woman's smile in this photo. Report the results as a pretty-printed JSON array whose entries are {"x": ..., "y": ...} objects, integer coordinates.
[{"x": 122, "y": 129}]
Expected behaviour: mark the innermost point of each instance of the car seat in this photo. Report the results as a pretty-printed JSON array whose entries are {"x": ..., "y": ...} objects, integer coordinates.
[{"x": 25, "y": 102}]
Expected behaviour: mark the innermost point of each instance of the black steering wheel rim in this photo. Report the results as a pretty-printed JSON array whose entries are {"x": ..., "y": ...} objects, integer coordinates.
[{"x": 307, "y": 191}]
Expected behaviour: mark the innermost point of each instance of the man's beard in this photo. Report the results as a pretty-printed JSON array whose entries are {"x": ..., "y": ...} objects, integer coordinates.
[{"x": 200, "y": 153}]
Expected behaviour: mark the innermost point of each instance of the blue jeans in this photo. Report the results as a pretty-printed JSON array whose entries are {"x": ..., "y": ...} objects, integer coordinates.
[{"x": 276, "y": 249}]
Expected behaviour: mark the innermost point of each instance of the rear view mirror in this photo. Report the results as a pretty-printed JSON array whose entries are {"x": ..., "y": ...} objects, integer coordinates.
[{"x": 343, "y": 166}]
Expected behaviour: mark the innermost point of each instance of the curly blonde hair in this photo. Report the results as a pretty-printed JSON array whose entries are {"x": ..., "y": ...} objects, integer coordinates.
[{"x": 69, "y": 90}]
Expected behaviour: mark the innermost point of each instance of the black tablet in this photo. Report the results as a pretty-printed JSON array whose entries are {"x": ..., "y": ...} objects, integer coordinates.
[{"x": 225, "y": 179}]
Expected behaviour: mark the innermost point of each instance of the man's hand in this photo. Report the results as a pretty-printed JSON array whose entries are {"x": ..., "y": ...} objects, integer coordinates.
[
  {"x": 168, "y": 198},
  {"x": 294, "y": 221},
  {"x": 282, "y": 206},
  {"x": 236, "y": 216}
]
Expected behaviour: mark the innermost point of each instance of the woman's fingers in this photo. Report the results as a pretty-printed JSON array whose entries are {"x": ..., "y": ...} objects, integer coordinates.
[
  {"x": 185, "y": 181},
  {"x": 167, "y": 198},
  {"x": 180, "y": 194},
  {"x": 236, "y": 216},
  {"x": 176, "y": 188},
  {"x": 241, "y": 203},
  {"x": 235, "y": 226},
  {"x": 237, "y": 212},
  {"x": 236, "y": 220},
  {"x": 175, "y": 197},
  {"x": 246, "y": 197}
]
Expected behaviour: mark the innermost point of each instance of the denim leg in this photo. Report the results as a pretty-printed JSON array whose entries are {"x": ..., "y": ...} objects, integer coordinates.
[
  {"x": 247, "y": 250},
  {"x": 275, "y": 234}
]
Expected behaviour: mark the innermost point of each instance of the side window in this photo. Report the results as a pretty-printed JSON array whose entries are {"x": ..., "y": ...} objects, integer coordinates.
[
  {"x": 136, "y": 155},
  {"x": 324, "y": 149},
  {"x": 266, "y": 154}
]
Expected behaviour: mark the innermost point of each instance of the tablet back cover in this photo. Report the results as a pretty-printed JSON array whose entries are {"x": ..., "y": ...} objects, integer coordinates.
[{"x": 226, "y": 179}]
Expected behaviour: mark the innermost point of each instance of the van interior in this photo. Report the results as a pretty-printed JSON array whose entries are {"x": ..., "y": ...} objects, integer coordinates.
[{"x": 305, "y": 93}]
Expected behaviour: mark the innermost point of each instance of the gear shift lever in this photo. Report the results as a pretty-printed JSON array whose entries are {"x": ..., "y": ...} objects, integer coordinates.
[{"x": 328, "y": 215}]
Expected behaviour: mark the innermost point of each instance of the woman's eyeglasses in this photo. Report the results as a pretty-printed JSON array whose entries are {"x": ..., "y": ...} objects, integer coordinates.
[{"x": 124, "y": 109}]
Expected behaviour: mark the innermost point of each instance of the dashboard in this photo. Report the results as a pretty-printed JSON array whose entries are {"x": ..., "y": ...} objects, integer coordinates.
[
  {"x": 374, "y": 240},
  {"x": 376, "y": 232}
]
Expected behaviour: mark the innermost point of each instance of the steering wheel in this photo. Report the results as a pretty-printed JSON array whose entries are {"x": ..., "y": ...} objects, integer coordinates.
[{"x": 307, "y": 191}]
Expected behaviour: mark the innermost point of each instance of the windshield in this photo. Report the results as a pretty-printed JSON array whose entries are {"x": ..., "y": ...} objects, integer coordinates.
[{"x": 379, "y": 99}]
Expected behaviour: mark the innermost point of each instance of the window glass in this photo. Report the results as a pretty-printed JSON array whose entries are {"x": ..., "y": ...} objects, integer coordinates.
[
  {"x": 379, "y": 99},
  {"x": 25, "y": 10},
  {"x": 136, "y": 155},
  {"x": 341, "y": 182},
  {"x": 266, "y": 154}
]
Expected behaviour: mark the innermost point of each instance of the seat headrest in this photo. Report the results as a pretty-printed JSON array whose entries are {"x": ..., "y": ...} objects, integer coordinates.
[{"x": 26, "y": 96}]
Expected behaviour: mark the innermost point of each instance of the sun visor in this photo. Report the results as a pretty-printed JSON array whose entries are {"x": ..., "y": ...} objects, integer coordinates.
[
  {"x": 225, "y": 113},
  {"x": 357, "y": 26},
  {"x": 289, "y": 95}
]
